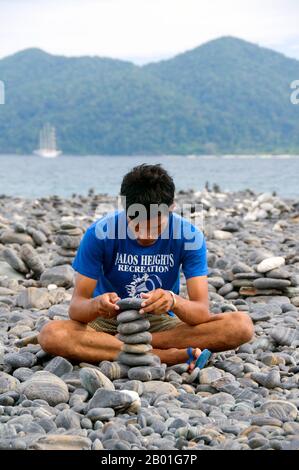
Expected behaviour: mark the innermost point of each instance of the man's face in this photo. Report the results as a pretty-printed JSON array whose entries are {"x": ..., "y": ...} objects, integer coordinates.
[{"x": 147, "y": 231}]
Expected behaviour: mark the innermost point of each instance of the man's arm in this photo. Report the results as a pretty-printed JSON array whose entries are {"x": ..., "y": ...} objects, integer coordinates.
[
  {"x": 192, "y": 311},
  {"x": 84, "y": 308}
]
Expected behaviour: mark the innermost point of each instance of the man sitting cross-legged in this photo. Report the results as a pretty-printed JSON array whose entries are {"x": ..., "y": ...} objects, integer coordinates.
[{"x": 123, "y": 255}]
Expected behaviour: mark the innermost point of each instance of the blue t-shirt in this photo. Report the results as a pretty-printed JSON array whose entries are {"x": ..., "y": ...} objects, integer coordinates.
[{"x": 109, "y": 254}]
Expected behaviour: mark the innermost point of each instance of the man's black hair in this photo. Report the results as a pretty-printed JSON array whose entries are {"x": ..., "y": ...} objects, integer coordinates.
[{"x": 146, "y": 185}]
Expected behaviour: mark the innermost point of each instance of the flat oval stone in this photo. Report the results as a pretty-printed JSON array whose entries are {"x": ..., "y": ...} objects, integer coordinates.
[
  {"x": 116, "y": 399},
  {"x": 179, "y": 368},
  {"x": 139, "y": 338},
  {"x": 97, "y": 445},
  {"x": 92, "y": 379},
  {"x": 46, "y": 386},
  {"x": 291, "y": 428},
  {"x": 72, "y": 379},
  {"x": 11, "y": 257},
  {"x": 38, "y": 236},
  {"x": 86, "y": 423},
  {"x": 80, "y": 394},
  {"x": 282, "y": 410},
  {"x": 271, "y": 359},
  {"x": 129, "y": 303},
  {"x": 269, "y": 264},
  {"x": 249, "y": 276},
  {"x": 216, "y": 282},
  {"x": 209, "y": 375},
  {"x": 130, "y": 328},
  {"x": 226, "y": 289},
  {"x": 8, "y": 383},
  {"x": 68, "y": 419},
  {"x": 116, "y": 444},
  {"x": 264, "y": 420},
  {"x": 128, "y": 316},
  {"x": 31, "y": 259},
  {"x": 61, "y": 442},
  {"x": 100, "y": 414},
  {"x": 144, "y": 374},
  {"x": 269, "y": 381},
  {"x": 271, "y": 283},
  {"x": 47, "y": 424},
  {"x": 278, "y": 273},
  {"x": 136, "y": 348},
  {"x": 283, "y": 336},
  {"x": 241, "y": 268},
  {"x": 114, "y": 370},
  {"x": 172, "y": 376},
  {"x": 137, "y": 359},
  {"x": 135, "y": 385},
  {"x": 6, "y": 400},
  {"x": 16, "y": 360},
  {"x": 61, "y": 276},
  {"x": 257, "y": 442},
  {"x": 59, "y": 366},
  {"x": 156, "y": 386}
]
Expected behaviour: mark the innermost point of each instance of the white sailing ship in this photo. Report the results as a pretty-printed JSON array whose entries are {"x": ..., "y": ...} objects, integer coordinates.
[{"x": 47, "y": 143}]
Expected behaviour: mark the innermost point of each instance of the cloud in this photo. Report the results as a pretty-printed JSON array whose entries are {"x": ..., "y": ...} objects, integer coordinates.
[{"x": 143, "y": 30}]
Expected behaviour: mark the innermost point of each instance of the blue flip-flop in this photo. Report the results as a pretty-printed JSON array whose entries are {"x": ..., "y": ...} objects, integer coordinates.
[{"x": 202, "y": 360}]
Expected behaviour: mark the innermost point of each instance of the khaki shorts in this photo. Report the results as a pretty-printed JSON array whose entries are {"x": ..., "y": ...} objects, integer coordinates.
[{"x": 158, "y": 323}]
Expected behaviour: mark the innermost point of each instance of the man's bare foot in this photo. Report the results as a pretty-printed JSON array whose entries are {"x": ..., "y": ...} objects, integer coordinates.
[
  {"x": 171, "y": 356},
  {"x": 196, "y": 354}
]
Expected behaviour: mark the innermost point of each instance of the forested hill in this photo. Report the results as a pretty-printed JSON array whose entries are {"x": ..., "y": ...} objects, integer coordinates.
[{"x": 226, "y": 96}]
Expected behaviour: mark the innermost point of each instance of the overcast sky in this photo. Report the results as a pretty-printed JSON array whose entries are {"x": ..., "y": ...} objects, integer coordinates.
[{"x": 144, "y": 30}]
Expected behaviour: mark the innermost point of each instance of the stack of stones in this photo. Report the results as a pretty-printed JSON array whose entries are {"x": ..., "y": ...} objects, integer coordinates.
[
  {"x": 68, "y": 237},
  {"x": 263, "y": 277},
  {"x": 269, "y": 278},
  {"x": 133, "y": 332},
  {"x": 21, "y": 249},
  {"x": 265, "y": 206},
  {"x": 102, "y": 205},
  {"x": 25, "y": 261}
]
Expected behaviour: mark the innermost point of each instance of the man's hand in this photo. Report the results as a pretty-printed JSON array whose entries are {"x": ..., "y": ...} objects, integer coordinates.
[
  {"x": 157, "y": 302},
  {"x": 106, "y": 305}
]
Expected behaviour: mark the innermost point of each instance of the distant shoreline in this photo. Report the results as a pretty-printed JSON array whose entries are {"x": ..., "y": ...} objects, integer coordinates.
[
  {"x": 229, "y": 155},
  {"x": 32, "y": 176},
  {"x": 180, "y": 198}
]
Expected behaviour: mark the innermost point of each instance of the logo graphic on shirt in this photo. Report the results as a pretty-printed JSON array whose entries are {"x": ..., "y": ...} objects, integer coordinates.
[{"x": 143, "y": 283}]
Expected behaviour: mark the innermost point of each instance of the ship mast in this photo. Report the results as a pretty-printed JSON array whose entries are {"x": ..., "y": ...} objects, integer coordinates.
[{"x": 47, "y": 138}]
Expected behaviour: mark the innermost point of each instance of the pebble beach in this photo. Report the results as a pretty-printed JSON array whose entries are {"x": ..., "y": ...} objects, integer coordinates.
[{"x": 247, "y": 399}]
